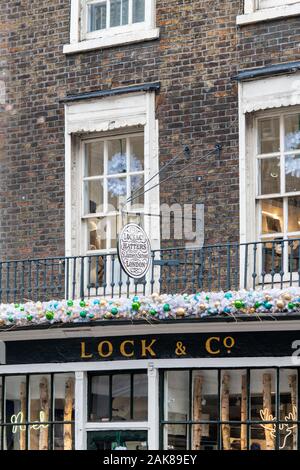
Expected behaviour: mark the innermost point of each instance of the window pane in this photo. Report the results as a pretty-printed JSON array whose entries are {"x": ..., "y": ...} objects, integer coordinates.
[
  {"x": 205, "y": 395},
  {"x": 15, "y": 411},
  {"x": 64, "y": 410},
  {"x": 14, "y": 437},
  {"x": 269, "y": 171},
  {"x": 117, "y": 162},
  {"x": 138, "y": 11},
  {"x": 39, "y": 410},
  {"x": 292, "y": 173},
  {"x": 272, "y": 215},
  {"x": 117, "y": 440},
  {"x": 176, "y": 437},
  {"x": 288, "y": 385},
  {"x": 118, "y": 12},
  {"x": 292, "y": 132},
  {"x": 204, "y": 436},
  {"x": 140, "y": 398},
  {"x": 121, "y": 396},
  {"x": 294, "y": 214},
  {"x": 1, "y": 391},
  {"x": 263, "y": 387},
  {"x": 137, "y": 153},
  {"x": 94, "y": 158},
  {"x": 93, "y": 196},
  {"x": 268, "y": 135},
  {"x": 137, "y": 191},
  {"x": 234, "y": 408},
  {"x": 97, "y": 229},
  {"x": 97, "y": 16},
  {"x": 177, "y": 395},
  {"x": 272, "y": 257},
  {"x": 116, "y": 193},
  {"x": 63, "y": 436},
  {"x": 99, "y": 398}
]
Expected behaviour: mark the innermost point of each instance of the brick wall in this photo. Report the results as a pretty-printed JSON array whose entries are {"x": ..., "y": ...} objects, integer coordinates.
[{"x": 199, "y": 50}]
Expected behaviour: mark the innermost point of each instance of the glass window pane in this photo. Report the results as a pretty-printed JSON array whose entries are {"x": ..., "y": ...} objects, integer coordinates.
[
  {"x": 15, "y": 411},
  {"x": 177, "y": 396},
  {"x": 99, "y": 398},
  {"x": 121, "y": 397},
  {"x": 234, "y": 408},
  {"x": 97, "y": 233},
  {"x": 116, "y": 193},
  {"x": 269, "y": 171},
  {"x": 292, "y": 132},
  {"x": 137, "y": 191},
  {"x": 272, "y": 215},
  {"x": 272, "y": 252},
  {"x": 118, "y": 12},
  {"x": 294, "y": 214},
  {"x": 14, "y": 437},
  {"x": 292, "y": 173},
  {"x": 63, "y": 436},
  {"x": 97, "y": 16},
  {"x": 94, "y": 159},
  {"x": 117, "y": 440},
  {"x": 140, "y": 397},
  {"x": 205, "y": 395},
  {"x": 176, "y": 437},
  {"x": 117, "y": 161},
  {"x": 263, "y": 396},
  {"x": 39, "y": 410},
  {"x": 268, "y": 135},
  {"x": 1, "y": 392},
  {"x": 138, "y": 11},
  {"x": 93, "y": 197},
  {"x": 204, "y": 436},
  {"x": 137, "y": 153},
  {"x": 288, "y": 385}
]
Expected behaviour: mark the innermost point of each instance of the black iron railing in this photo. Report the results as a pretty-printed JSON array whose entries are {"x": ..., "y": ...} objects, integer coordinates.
[{"x": 231, "y": 266}]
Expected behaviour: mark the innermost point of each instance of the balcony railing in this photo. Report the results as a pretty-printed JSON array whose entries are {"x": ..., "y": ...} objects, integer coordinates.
[{"x": 267, "y": 264}]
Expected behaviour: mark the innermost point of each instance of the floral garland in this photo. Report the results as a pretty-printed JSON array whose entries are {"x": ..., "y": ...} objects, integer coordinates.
[{"x": 155, "y": 306}]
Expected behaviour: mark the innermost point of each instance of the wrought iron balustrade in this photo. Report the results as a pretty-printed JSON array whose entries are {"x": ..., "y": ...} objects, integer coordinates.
[{"x": 231, "y": 266}]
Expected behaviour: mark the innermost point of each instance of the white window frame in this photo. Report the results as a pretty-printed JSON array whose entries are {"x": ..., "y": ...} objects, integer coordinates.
[
  {"x": 254, "y": 14},
  {"x": 82, "y": 40},
  {"x": 92, "y": 118},
  {"x": 269, "y": 95}
]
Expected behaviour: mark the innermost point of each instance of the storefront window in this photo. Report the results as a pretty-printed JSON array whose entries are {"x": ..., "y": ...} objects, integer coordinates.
[
  {"x": 37, "y": 412},
  {"x": 118, "y": 397},
  {"x": 232, "y": 409},
  {"x": 117, "y": 440}
]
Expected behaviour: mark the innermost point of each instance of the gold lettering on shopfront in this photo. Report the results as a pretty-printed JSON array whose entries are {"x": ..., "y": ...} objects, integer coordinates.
[
  {"x": 83, "y": 354},
  {"x": 105, "y": 345},
  {"x": 123, "y": 349},
  {"x": 148, "y": 348},
  {"x": 208, "y": 345}
]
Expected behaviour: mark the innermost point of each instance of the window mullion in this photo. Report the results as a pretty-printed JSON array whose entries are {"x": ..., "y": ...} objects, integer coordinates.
[
  {"x": 282, "y": 166},
  {"x": 130, "y": 12},
  {"x": 108, "y": 14}
]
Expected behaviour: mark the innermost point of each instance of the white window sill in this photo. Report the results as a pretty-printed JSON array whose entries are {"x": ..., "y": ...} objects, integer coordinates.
[
  {"x": 111, "y": 41},
  {"x": 269, "y": 14}
]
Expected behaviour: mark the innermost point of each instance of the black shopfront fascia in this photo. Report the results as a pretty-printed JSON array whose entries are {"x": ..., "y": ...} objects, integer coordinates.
[{"x": 155, "y": 346}]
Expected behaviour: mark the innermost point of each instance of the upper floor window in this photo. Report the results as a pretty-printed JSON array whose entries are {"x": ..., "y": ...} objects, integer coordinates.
[
  {"x": 263, "y": 10},
  {"x": 106, "y": 23},
  {"x": 113, "y": 13}
]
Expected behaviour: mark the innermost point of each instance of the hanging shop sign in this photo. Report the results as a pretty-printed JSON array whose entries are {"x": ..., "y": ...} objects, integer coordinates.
[
  {"x": 134, "y": 251},
  {"x": 165, "y": 346}
]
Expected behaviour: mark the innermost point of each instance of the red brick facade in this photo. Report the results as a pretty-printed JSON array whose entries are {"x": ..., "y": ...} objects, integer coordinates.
[{"x": 199, "y": 50}]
